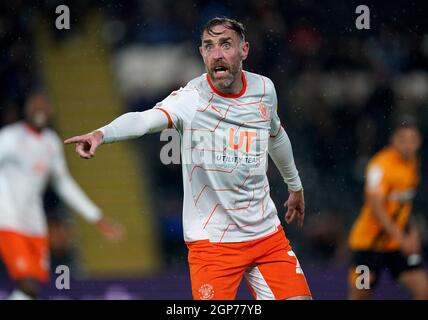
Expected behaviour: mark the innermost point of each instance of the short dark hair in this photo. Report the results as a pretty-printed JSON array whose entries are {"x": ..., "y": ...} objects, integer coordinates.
[
  {"x": 405, "y": 121},
  {"x": 228, "y": 23}
]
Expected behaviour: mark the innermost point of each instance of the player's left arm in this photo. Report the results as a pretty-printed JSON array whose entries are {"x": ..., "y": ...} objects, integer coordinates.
[
  {"x": 71, "y": 193},
  {"x": 4, "y": 145},
  {"x": 281, "y": 152},
  {"x": 414, "y": 236}
]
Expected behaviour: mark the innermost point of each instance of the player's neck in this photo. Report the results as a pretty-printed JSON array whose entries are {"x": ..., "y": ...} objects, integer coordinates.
[
  {"x": 32, "y": 129},
  {"x": 402, "y": 156},
  {"x": 236, "y": 89}
]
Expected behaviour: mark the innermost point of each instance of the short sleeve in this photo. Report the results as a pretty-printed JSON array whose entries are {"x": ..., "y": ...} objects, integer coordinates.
[
  {"x": 179, "y": 106},
  {"x": 376, "y": 180}
]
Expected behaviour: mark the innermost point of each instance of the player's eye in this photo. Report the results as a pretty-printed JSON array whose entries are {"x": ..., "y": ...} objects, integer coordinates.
[
  {"x": 208, "y": 47},
  {"x": 226, "y": 45}
]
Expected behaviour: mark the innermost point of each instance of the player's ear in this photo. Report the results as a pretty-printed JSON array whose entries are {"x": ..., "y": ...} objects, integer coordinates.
[
  {"x": 419, "y": 141},
  {"x": 200, "y": 51},
  {"x": 245, "y": 49}
]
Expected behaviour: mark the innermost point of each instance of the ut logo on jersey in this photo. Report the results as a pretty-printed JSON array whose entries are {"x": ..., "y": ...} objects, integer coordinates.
[{"x": 243, "y": 135}]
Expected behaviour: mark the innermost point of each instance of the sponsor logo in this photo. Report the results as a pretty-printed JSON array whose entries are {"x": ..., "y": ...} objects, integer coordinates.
[{"x": 248, "y": 135}]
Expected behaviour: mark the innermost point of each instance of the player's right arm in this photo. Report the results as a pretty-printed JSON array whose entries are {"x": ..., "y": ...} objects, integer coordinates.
[
  {"x": 2, "y": 146},
  {"x": 377, "y": 203},
  {"x": 376, "y": 193},
  {"x": 409, "y": 244},
  {"x": 6, "y": 140},
  {"x": 172, "y": 111},
  {"x": 127, "y": 126}
]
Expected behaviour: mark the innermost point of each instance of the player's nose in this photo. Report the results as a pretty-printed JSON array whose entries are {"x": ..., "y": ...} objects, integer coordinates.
[{"x": 217, "y": 53}]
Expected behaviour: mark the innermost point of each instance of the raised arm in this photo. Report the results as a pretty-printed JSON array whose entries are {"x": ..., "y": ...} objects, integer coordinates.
[
  {"x": 128, "y": 126},
  {"x": 171, "y": 111}
]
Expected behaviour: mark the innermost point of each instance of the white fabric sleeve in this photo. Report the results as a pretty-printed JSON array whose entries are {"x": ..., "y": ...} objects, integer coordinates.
[
  {"x": 180, "y": 106},
  {"x": 3, "y": 145},
  {"x": 8, "y": 141},
  {"x": 275, "y": 121},
  {"x": 69, "y": 190},
  {"x": 281, "y": 152},
  {"x": 171, "y": 112},
  {"x": 134, "y": 125}
]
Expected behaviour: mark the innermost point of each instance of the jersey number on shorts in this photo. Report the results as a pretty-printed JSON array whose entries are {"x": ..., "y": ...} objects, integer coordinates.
[{"x": 298, "y": 268}]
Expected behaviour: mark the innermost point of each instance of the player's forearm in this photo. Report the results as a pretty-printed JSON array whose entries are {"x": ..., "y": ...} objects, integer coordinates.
[
  {"x": 73, "y": 195},
  {"x": 281, "y": 153},
  {"x": 134, "y": 125},
  {"x": 384, "y": 219},
  {"x": 3, "y": 142}
]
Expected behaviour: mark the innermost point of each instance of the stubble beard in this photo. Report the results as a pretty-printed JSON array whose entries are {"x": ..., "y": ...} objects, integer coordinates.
[{"x": 226, "y": 83}]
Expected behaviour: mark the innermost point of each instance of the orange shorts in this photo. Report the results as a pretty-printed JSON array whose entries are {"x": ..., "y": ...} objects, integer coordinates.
[
  {"x": 25, "y": 256},
  {"x": 269, "y": 265}
]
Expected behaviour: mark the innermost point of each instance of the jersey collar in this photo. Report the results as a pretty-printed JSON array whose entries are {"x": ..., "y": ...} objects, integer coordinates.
[
  {"x": 33, "y": 131},
  {"x": 229, "y": 95}
]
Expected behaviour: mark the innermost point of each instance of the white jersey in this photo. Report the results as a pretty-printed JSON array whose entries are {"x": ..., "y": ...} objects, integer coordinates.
[
  {"x": 224, "y": 155},
  {"x": 27, "y": 161}
]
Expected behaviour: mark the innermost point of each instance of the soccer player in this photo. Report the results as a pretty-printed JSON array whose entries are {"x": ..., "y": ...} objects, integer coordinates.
[
  {"x": 227, "y": 120},
  {"x": 384, "y": 236},
  {"x": 30, "y": 155}
]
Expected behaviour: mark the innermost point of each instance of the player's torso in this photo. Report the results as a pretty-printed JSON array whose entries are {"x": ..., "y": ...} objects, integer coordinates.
[
  {"x": 402, "y": 178},
  {"x": 25, "y": 169},
  {"x": 225, "y": 127},
  {"x": 225, "y": 152}
]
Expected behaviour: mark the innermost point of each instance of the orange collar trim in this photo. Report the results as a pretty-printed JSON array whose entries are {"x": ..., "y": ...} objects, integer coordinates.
[
  {"x": 32, "y": 130},
  {"x": 230, "y": 95}
]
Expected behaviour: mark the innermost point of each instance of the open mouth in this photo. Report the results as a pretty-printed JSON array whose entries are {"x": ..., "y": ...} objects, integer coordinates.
[{"x": 220, "y": 70}]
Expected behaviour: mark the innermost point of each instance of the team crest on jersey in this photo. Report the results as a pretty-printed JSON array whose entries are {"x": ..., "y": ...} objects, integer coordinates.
[
  {"x": 39, "y": 167},
  {"x": 263, "y": 110},
  {"x": 206, "y": 292}
]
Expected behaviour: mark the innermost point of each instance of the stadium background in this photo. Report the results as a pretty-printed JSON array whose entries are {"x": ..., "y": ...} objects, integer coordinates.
[{"x": 338, "y": 89}]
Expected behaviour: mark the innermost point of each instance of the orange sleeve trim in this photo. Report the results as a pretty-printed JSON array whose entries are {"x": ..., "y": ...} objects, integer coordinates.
[{"x": 167, "y": 115}]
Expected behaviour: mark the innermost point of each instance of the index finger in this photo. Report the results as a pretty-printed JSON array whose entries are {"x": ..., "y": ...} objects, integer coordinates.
[
  {"x": 74, "y": 140},
  {"x": 290, "y": 215},
  {"x": 301, "y": 219}
]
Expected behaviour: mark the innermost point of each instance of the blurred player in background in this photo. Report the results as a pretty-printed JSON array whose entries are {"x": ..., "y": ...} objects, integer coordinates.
[
  {"x": 231, "y": 225},
  {"x": 31, "y": 155},
  {"x": 384, "y": 236}
]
